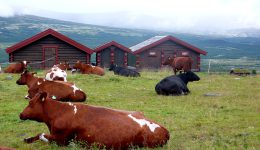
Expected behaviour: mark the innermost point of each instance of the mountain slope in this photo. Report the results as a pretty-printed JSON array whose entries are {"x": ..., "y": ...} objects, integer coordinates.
[{"x": 17, "y": 28}]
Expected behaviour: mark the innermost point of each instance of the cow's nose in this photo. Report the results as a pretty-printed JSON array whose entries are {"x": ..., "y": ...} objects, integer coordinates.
[
  {"x": 18, "y": 82},
  {"x": 22, "y": 117}
]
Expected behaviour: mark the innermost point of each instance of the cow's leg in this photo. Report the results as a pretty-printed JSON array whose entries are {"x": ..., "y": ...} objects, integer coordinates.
[
  {"x": 60, "y": 139},
  {"x": 174, "y": 70},
  {"x": 31, "y": 139},
  {"x": 42, "y": 136}
]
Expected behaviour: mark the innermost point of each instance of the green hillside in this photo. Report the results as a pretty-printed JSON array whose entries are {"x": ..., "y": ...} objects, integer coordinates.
[{"x": 17, "y": 28}]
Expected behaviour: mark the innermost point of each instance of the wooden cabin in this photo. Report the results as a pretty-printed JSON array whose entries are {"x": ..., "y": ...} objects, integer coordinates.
[
  {"x": 48, "y": 48},
  {"x": 112, "y": 53},
  {"x": 151, "y": 53}
]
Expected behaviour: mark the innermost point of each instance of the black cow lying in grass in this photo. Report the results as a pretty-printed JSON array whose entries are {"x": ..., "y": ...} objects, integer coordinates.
[
  {"x": 176, "y": 84},
  {"x": 124, "y": 71}
]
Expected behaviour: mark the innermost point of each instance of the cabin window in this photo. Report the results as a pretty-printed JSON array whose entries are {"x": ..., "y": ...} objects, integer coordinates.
[
  {"x": 152, "y": 54},
  {"x": 185, "y": 53}
]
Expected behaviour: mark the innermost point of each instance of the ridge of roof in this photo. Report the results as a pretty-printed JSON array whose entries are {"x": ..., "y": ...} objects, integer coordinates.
[
  {"x": 156, "y": 40},
  {"x": 44, "y": 34},
  {"x": 146, "y": 42},
  {"x": 105, "y": 45}
]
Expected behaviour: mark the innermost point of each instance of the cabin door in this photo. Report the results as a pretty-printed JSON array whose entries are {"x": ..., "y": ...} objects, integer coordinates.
[{"x": 50, "y": 56}]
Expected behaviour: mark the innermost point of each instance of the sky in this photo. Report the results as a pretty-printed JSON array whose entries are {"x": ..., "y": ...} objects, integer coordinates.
[{"x": 195, "y": 16}]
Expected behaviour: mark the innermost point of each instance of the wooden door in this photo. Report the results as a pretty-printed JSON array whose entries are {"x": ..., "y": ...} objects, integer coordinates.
[{"x": 50, "y": 55}]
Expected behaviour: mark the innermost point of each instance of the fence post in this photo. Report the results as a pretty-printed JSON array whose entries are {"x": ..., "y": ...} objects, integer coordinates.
[{"x": 209, "y": 66}]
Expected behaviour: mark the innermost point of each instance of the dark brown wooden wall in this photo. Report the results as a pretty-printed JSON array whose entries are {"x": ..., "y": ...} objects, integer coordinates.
[
  {"x": 119, "y": 57},
  {"x": 105, "y": 60},
  {"x": 169, "y": 48},
  {"x": 33, "y": 52}
]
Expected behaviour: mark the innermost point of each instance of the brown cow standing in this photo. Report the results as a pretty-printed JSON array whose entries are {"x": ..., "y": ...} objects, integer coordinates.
[
  {"x": 89, "y": 69},
  {"x": 59, "y": 90},
  {"x": 179, "y": 63},
  {"x": 16, "y": 67},
  {"x": 107, "y": 128}
]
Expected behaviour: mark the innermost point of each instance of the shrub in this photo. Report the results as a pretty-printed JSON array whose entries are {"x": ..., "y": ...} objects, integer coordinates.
[{"x": 254, "y": 72}]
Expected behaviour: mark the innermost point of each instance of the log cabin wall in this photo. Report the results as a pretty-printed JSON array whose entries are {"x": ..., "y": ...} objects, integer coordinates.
[
  {"x": 34, "y": 52},
  {"x": 152, "y": 58},
  {"x": 113, "y": 55}
]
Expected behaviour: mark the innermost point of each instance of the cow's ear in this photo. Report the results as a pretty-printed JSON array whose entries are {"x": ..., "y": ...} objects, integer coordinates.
[{"x": 43, "y": 95}]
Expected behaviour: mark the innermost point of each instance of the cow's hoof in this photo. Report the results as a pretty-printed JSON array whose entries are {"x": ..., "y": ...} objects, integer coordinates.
[{"x": 28, "y": 140}]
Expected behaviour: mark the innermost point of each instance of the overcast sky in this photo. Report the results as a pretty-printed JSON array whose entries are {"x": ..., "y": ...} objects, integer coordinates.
[{"x": 165, "y": 15}]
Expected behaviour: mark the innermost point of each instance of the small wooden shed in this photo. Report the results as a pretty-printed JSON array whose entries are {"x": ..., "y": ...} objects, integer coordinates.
[
  {"x": 48, "y": 48},
  {"x": 112, "y": 53},
  {"x": 151, "y": 53}
]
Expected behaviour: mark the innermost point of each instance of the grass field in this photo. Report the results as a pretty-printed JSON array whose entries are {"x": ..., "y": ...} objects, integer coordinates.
[{"x": 230, "y": 120}]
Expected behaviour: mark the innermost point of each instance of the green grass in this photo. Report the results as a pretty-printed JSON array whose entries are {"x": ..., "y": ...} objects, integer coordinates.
[{"x": 195, "y": 121}]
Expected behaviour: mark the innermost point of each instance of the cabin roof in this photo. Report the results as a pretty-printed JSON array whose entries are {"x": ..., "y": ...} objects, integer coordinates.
[
  {"x": 112, "y": 43},
  {"x": 44, "y": 34},
  {"x": 156, "y": 40}
]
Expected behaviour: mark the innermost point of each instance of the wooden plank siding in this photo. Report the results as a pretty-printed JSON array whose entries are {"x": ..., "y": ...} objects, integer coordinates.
[
  {"x": 169, "y": 48},
  {"x": 105, "y": 56},
  {"x": 34, "y": 52},
  {"x": 112, "y": 53},
  {"x": 119, "y": 57}
]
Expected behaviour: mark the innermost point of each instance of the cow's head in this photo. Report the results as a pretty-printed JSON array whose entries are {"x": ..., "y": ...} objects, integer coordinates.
[
  {"x": 25, "y": 76},
  {"x": 34, "y": 110},
  {"x": 77, "y": 65},
  {"x": 191, "y": 76},
  {"x": 168, "y": 61},
  {"x": 112, "y": 66},
  {"x": 64, "y": 66},
  {"x": 24, "y": 64}
]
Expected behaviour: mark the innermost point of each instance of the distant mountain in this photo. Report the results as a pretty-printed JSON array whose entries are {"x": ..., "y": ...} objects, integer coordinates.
[{"x": 17, "y": 28}]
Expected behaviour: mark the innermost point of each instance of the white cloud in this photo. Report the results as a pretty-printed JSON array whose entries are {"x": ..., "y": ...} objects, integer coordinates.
[
  {"x": 169, "y": 15},
  {"x": 5, "y": 10}
]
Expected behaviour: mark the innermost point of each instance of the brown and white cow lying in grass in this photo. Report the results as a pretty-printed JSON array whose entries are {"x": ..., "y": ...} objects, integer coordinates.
[
  {"x": 16, "y": 67},
  {"x": 64, "y": 66},
  {"x": 89, "y": 69},
  {"x": 56, "y": 74},
  {"x": 107, "y": 128},
  {"x": 58, "y": 90}
]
